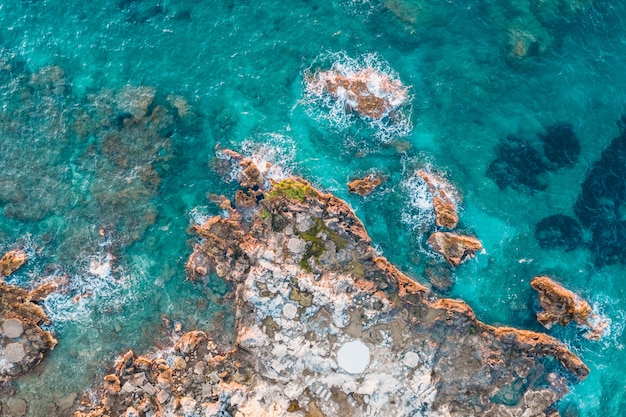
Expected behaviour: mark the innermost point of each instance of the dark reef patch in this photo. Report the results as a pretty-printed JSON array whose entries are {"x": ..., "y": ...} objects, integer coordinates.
[
  {"x": 560, "y": 145},
  {"x": 601, "y": 205},
  {"x": 559, "y": 232},
  {"x": 518, "y": 165}
]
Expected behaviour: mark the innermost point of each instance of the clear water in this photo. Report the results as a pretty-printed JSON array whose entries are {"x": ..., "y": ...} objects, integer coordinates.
[{"x": 78, "y": 186}]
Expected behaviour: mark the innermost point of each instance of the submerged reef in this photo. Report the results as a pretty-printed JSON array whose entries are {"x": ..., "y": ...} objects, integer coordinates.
[
  {"x": 559, "y": 232},
  {"x": 519, "y": 164},
  {"x": 600, "y": 205},
  {"x": 560, "y": 145},
  {"x": 327, "y": 327},
  {"x": 98, "y": 158}
]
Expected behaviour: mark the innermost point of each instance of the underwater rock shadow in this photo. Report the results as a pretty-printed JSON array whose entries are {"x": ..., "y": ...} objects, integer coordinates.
[
  {"x": 518, "y": 165},
  {"x": 561, "y": 145},
  {"x": 601, "y": 205},
  {"x": 559, "y": 232},
  {"x": 522, "y": 166}
]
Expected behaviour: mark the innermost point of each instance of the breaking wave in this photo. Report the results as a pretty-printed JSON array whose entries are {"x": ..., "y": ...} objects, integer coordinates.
[{"x": 375, "y": 100}]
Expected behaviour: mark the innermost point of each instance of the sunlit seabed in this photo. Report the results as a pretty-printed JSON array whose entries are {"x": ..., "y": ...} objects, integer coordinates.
[{"x": 241, "y": 70}]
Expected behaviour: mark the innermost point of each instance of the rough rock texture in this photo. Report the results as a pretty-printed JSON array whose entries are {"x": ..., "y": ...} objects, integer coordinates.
[
  {"x": 454, "y": 247},
  {"x": 11, "y": 261},
  {"x": 369, "y": 92},
  {"x": 364, "y": 186},
  {"x": 445, "y": 208},
  {"x": 23, "y": 343},
  {"x": 307, "y": 283},
  {"x": 561, "y": 306}
]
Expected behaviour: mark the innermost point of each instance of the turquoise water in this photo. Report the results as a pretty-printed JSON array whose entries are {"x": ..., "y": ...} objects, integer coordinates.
[{"x": 108, "y": 202}]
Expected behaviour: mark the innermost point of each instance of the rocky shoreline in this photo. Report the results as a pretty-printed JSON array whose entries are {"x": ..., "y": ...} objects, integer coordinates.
[{"x": 326, "y": 326}]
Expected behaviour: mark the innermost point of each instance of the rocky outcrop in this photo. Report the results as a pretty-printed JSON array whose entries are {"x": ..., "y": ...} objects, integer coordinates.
[
  {"x": 364, "y": 186},
  {"x": 454, "y": 247},
  {"x": 445, "y": 208},
  {"x": 23, "y": 343},
  {"x": 562, "y": 306},
  {"x": 12, "y": 261},
  {"x": 327, "y": 327},
  {"x": 367, "y": 91}
]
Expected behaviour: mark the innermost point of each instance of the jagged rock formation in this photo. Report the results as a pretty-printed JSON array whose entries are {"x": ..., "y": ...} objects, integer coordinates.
[
  {"x": 310, "y": 290},
  {"x": 454, "y": 247},
  {"x": 364, "y": 186},
  {"x": 369, "y": 92},
  {"x": 23, "y": 343},
  {"x": 11, "y": 261},
  {"x": 445, "y": 208},
  {"x": 562, "y": 306}
]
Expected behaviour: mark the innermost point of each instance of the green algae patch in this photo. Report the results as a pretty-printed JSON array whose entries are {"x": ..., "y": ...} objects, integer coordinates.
[
  {"x": 317, "y": 243},
  {"x": 265, "y": 214},
  {"x": 291, "y": 188}
]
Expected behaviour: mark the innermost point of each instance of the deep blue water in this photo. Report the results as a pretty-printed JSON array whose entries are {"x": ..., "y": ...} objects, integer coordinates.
[{"x": 80, "y": 184}]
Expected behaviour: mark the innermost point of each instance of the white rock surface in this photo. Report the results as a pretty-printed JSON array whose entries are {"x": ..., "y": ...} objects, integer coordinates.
[
  {"x": 353, "y": 357},
  {"x": 12, "y": 328},
  {"x": 14, "y": 352},
  {"x": 290, "y": 310}
]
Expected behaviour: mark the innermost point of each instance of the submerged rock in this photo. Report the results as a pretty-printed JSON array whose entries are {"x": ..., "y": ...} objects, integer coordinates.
[
  {"x": 454, "y": 247},
  {"x": 364, "y": 186},
  {"x": 562, "y": 306},
  {"x": 417, "y": 354},
  {"x": 559, "y": 232},
  {"x": 600, "y": 204},
  {"x": 517, "y": 164},
  {"x": 560, "y": 145}
]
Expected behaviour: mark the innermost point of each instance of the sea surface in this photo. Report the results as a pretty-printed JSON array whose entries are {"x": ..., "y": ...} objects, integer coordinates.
[{"x": 111, "y": 112}]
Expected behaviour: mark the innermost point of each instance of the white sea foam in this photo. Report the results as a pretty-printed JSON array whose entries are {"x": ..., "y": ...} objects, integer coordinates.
[
  {"x": 97, "y": 286},
  {"x": 418, "y": 212},
  {"x": 381, "y": 80},
  {"x": 274, "y": 154}
]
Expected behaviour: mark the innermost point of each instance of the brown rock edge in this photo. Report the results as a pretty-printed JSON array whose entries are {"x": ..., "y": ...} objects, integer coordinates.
[
  {"x": 561, "y": 306},
  {"x": 306, "y": 280}
]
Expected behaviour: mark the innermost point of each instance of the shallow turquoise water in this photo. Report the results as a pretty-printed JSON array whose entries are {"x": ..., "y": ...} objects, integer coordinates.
[{"x": 239, "y": 66}]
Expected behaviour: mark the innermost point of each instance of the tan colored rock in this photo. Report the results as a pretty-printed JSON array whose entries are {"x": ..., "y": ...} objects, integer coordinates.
[
  {"x": 179, "y": 363},
  {"x": 250, "y": 175},
  {"x": 369, "y": 92},
  {"x": 189, "y": 341},
  {"x": 445, "y": 209},
  {"x": 16, "y": 407},
  {"x": 112, "y": 384},
  {"x": 12, "y": 261},
  {"x": 562, "y": 306},
  {"x": 454, "y": 247},
  {"x": 364, "y": 186}
]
